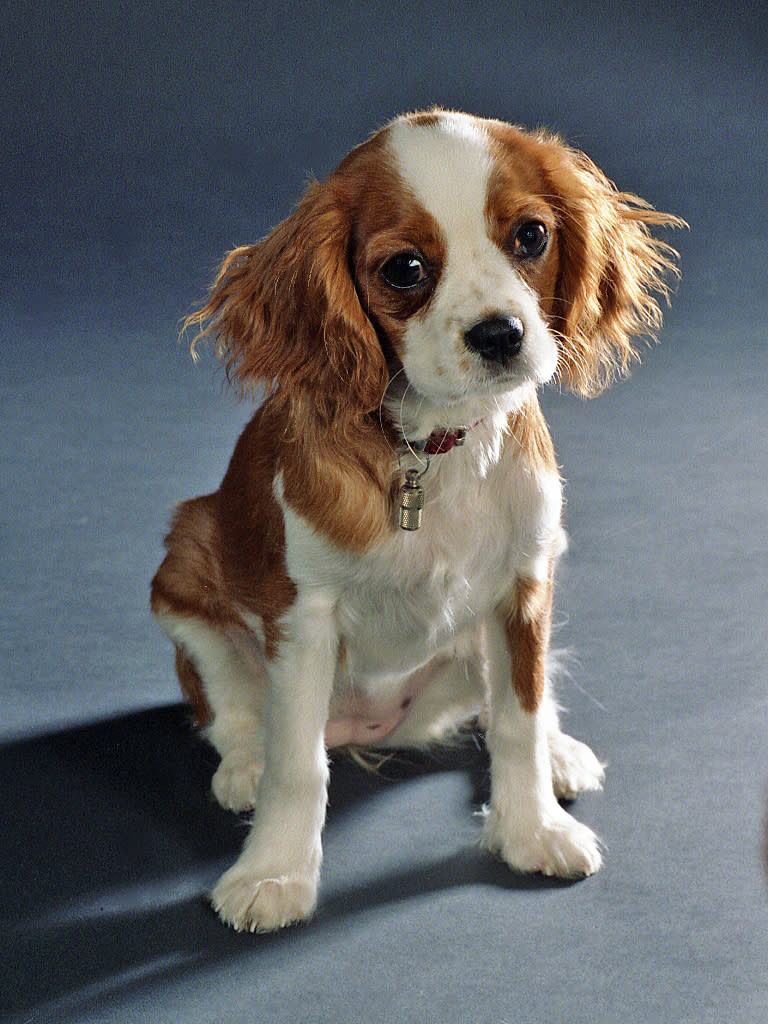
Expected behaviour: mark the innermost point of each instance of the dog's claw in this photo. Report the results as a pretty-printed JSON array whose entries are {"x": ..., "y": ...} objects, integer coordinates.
[{"x": 250, "y": 904}]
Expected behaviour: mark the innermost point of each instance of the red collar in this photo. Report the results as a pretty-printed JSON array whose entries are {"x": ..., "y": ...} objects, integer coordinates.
[{"x": 442, "y": 440}]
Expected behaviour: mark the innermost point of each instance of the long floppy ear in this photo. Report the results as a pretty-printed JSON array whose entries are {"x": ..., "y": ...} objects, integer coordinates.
[
  {"x": 285, "y": 312},
  {"x": 612, "y": 270}
]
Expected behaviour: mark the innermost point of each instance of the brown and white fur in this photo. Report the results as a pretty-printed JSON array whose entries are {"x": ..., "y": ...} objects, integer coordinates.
[{"x": 303, "y": 617}]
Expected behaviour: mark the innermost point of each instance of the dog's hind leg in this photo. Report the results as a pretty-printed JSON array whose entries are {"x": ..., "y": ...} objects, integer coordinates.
[
  {"x": 225, "y": 677},
  {"x": 575, "y": 768}
]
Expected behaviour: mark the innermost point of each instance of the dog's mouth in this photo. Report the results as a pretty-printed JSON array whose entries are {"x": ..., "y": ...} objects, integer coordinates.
[
  {"x": 439, "y": 421},
  {"x": 480, "y": 383}
]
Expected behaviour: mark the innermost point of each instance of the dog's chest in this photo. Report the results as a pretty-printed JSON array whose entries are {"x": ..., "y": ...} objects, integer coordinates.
[
  {"x": 411, "y": 596},
  {"x": 401, "y": 618}
]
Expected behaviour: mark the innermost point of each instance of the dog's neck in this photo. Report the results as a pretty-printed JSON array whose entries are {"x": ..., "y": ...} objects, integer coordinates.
[{"x": 425, "y": 425}]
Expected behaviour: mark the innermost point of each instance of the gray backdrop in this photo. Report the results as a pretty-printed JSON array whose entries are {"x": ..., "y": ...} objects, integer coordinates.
[{"x": 139, "y": 142}]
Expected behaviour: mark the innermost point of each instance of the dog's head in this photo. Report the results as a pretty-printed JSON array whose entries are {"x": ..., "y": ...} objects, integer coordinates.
[{"x": 453, "y": 255}]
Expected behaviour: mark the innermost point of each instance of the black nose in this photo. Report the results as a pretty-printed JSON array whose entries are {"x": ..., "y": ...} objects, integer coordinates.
[{"x": 497, "y": 339}]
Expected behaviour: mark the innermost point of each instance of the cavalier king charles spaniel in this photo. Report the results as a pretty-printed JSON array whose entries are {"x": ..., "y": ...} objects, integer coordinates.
[{"x": 376, "y": 569}]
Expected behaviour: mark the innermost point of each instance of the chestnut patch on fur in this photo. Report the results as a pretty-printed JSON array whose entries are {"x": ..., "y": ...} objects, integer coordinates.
[
  {"x": 530, "y": 434},
  {"x": 527, "y": 622},
  {"x": 226, "y": 550}
]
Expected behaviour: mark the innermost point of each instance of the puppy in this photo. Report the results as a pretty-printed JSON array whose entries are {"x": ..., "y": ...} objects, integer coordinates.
[{"x": 377, "y": 565}]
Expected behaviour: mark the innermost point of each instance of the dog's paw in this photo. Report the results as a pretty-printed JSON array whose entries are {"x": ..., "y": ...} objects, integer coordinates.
[
  {"x": 236, "y": 780},
  {"x": 250, "y": 904},
  {"x": 575, "y": 768},
  {"x": 556, "y": 846}
]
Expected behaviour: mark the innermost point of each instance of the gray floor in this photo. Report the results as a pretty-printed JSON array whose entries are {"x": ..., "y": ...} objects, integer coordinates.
[{"x": 140, "y": 144}]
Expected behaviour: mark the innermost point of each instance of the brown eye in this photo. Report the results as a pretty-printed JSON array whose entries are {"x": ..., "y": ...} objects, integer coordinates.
[
  {"x": 405, "y": 270},
  {"x": 530, "y": 240}
]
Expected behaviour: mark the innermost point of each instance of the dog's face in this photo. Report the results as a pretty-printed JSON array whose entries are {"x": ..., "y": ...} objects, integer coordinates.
[
  {"x": 447, "y": 257},
  {"x": 459, "y": 272}
]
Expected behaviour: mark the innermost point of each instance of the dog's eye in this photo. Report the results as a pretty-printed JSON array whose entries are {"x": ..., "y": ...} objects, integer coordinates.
[
  {"x": 405, "y": 270},
  {"x": 530, "y": 240}
]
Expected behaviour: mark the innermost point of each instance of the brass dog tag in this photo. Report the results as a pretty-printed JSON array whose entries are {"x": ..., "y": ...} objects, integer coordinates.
[{"x": 411, "y": 501}]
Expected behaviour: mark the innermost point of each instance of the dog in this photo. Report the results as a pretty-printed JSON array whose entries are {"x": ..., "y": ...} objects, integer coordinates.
[{"x": 376, "y": 568}]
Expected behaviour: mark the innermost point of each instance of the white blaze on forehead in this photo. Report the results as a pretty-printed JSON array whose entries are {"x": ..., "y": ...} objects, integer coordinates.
[{"x": 446, "y": 164}]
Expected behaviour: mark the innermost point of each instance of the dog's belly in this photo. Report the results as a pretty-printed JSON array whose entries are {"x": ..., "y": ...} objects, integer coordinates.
[
  {"x": 361, "y": 717},
  {"x": 395, "y": 643}
]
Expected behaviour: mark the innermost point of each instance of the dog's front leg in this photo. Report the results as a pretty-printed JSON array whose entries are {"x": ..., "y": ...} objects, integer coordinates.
[
  {"x": 524, "y": 822},
  {"x": 274, "y": 881}
]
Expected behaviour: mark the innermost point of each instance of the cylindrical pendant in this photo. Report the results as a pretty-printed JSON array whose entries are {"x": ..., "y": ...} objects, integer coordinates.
[{"x": 411, "y": 501}]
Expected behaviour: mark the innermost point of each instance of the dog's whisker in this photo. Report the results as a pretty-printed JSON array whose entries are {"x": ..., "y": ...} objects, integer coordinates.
[{"x": 421, "y": 459}]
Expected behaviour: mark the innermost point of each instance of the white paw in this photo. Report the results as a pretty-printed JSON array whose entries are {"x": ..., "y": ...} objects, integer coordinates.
[
  {"x": 574, "y": 767},
  {"x": 557, "y": 845},
  {"x": 250, "y": 904},
  {"x": 237, "y": 779}
]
